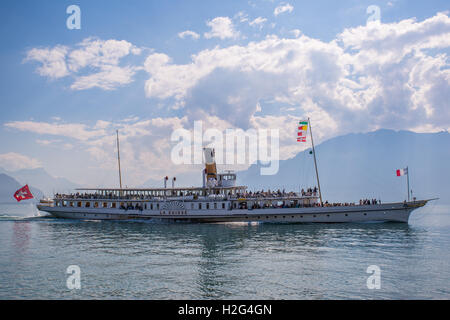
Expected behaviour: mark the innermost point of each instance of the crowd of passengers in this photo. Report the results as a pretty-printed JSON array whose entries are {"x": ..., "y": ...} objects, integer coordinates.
[
  {"x": 366, "y": 202},
  {"x": 248, "y": 195}
]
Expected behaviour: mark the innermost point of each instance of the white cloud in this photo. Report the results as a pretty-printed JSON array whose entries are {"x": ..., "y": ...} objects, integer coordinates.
[
  {"x": 15, "y": 161},
  {"x": 296, "y": 32},
  {"x": 71, "y": 130},
  {"x": 189, "y": 33},
  {"x": 379, "y": 75},
  {"x": 258, "y": 22},
  {"x": 53, "y": 61},
  {"x": 107, "y": 79},
  {"x": 98, "y": 53},
  {"x": 100, "y": 58},
  {"x": 241, "y": 16},
  {"x": 44, "y": 142},
  {"x": 283, "y": 8},
  {"x": 221, "y": 27}
]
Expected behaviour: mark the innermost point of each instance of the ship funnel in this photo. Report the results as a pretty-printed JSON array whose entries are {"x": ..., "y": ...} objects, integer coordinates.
[{"x": 210, "y": 167}]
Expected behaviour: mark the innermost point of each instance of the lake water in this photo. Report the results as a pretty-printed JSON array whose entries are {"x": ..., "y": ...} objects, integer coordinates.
[{"x": 144, "y": 260}]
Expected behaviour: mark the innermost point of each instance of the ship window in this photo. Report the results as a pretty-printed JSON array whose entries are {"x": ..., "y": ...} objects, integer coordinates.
[
  {"x": 87, "y": 205},
  {"x": 346, "y": 215},
  {"x": 95, "y": 204},
  {"x": 113, "y": 205},
  {"x": 199, "y": 206},
  {"x": 151, "y": 206},
  {"x": 157, "y": 206},
  {"x": 71, "y": 204},
  {"x": 215, "y": 205},
  {"x": 223, "y": 205},
  {"x": 192, "y": 206},
  {"x": 207, "y": 205},
  {"x": 79, "y": 204},
  {"x": 105, "y": 205}
]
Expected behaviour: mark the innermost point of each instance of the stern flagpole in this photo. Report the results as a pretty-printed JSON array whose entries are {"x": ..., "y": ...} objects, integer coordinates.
[
  {"x": 315, "y": 162},
  {"x": 118, "y": 159},
  {"x": 407, "y": 179}
]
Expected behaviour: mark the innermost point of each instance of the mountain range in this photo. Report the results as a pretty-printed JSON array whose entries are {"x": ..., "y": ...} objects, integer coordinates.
[
  {"x": 38, "y": 179},
  {"x": 9, "y": 185},
  {"x": 363, "y": 165}
]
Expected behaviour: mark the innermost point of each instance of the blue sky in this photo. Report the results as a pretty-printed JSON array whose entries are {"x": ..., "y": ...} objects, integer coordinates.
[{"x": 152, "y": 74}]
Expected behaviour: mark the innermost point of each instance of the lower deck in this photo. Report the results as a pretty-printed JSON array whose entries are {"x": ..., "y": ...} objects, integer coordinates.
[{"x": 381, "y": 212}]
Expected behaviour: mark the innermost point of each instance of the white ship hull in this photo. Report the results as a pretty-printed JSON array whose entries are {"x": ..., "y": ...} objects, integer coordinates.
[{"x": 395, "y": 212}]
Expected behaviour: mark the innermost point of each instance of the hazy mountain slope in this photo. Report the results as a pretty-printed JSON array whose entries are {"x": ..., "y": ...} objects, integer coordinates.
[
  {"x": 42, "y": 180},
  {"x": 8, "y": 186},
  {"x": 363, "y": 165}
]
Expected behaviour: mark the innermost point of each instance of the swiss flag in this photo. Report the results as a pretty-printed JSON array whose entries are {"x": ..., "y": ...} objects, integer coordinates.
[{"x": 23, "y": 193}]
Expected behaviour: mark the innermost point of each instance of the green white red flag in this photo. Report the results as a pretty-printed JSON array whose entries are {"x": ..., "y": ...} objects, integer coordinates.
[{"x": 302, "y": 129}]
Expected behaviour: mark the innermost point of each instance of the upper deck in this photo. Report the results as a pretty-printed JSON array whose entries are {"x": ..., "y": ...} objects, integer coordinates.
[{"x": 185, "y": 194}]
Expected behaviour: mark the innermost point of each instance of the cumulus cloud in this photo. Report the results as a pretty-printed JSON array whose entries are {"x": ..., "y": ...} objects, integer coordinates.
[
  {"x": 221, "y": 27},
  {"x": 15, "y": 161},
  {"x": 53, "y": 61},
  {"x": 283, "y": 8},
  {"x": 189, "y": 33},
  {"x": 379, "y": 75},
  {"x": 99, "y": 58}
]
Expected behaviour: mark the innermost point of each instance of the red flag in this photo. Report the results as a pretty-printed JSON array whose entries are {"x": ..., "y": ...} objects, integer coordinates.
[{"x": 23, "y": 193}]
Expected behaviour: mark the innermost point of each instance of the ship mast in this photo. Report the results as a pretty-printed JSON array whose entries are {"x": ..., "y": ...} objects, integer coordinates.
[
  {"x": 315, "y": 162},
  {"x": 118, "y": 159}
]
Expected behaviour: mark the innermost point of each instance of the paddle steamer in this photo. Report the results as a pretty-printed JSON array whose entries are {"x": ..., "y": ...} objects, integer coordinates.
[{"x": 219, "y": 199}]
